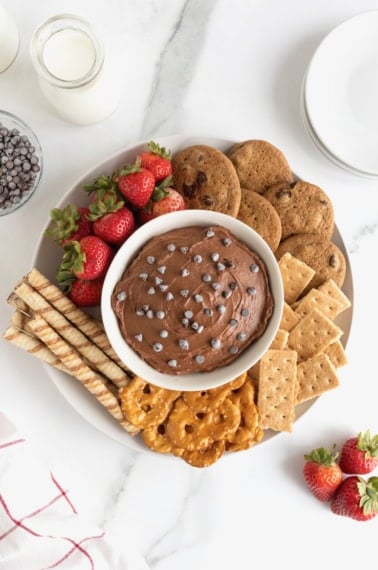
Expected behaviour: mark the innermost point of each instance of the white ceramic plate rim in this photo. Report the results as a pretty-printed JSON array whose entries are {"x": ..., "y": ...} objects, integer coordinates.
[
  {"x": 194, "y": 381},
  {"x": 320, "y": 146},
  {"x": 344, "y": 119},
  {"x": 46, "y": 254}
]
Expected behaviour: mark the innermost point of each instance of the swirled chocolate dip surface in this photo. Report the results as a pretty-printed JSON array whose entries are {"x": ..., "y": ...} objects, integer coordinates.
[{"x": 193, "y": 300}]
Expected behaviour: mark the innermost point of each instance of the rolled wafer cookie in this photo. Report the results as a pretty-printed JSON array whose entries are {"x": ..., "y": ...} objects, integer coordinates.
[
  {"x": 87, "y": 324},
  {"x": 34, "y": 346},
  {"x": 18, "y": 320},
  {"x": 19, "y": 305},
  {"x": 95, "y": 356},
  {"x": 79, "y": 369}
]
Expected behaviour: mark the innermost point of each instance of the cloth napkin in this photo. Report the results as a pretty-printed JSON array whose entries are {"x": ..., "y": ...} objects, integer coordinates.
[{"x": 40, "y": 527}]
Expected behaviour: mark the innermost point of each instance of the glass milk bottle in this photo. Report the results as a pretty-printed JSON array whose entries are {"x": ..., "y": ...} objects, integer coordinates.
[
  {"x": 73, "y": 73},
  {"x": 9, "y": 39}
]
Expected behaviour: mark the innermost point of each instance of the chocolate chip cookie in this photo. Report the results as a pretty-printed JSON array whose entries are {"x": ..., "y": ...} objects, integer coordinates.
[
  {"x": 259, "y": 164},
  {"x": 258, "y": 213},
  {"x": 303, "y": 209},
  {"x": 323, "y": 256},
  {"x": 207, "y": 179}
]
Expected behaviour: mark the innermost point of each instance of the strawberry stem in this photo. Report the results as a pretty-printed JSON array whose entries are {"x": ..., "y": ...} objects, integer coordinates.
[{"x": 129, "y": 169}]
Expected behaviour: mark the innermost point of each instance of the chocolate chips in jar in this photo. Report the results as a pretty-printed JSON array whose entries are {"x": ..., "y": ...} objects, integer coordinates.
[{"x": 20, "y": 162}]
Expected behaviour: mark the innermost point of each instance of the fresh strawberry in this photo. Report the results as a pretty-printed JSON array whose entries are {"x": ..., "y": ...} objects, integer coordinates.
[
  {"x": 157, "y": 160},
  {"x": 145, "y": 215},
  {"x": 68, "y": 224},
  {"x": 88, "y": 258},
  {"x": 114, "y": 228},
  {"x": 112, "y": 221},
  {"x": 172, "y": 202},
  {"x": 356, "y": 498},
  {"x": 163, "y": 200},
  {"x": 322, "y": 474},
  {"x": 359, "y": 454},
  {"x": 136, "y": 184},
  {"x": 86, "y": 293}
]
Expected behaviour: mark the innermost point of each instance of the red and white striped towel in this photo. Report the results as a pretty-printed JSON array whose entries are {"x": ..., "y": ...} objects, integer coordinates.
[{"x": 39, "y": 526}]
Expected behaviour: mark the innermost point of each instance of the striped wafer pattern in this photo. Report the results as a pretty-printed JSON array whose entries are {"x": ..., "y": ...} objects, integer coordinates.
[
  {"x": 48, "y": 325},
  {"x": 33, "y": 346},
  {"x": 89, "y": 326},
  {"x": 72, "y": 335},
  {"x": 78, "y": 369}
]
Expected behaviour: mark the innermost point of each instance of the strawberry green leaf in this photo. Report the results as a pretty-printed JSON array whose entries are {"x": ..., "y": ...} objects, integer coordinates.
[
  {"x": 129, "y": 168},
  {"x": 64, "y": 222},
  {"x": 100, "y": 183},
  {"x": 155, "y": 148},
  {"x": 368, "y": 491},
  {"x": 323, "y": 456},
  {"x": 73, "y": 261},
  {"x": 160, "y": 190},
  {"x": 368, "y": 443},
  {"x": 107, "y": 201},
  {"x": 65, "y": 280}
]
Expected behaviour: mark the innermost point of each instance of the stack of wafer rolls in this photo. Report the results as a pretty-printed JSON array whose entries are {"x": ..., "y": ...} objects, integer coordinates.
[{"x": 47, "y": 324}]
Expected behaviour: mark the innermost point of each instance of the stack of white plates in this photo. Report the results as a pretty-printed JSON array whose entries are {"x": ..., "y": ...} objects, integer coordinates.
[{"x": 340, "y": 95}]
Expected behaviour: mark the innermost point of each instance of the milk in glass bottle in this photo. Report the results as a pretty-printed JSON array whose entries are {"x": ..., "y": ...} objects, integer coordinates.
[{"x": 73, "y": 73}]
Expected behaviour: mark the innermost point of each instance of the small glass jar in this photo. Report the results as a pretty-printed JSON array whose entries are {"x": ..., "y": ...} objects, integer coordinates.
[
  {"x": 21, "y": 162},
  {"x": 73, "y": 73},
  {"x": 9, "y": 39}
]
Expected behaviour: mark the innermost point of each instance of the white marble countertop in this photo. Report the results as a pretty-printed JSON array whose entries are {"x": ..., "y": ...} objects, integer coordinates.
[{"x": 223, "y": 68}]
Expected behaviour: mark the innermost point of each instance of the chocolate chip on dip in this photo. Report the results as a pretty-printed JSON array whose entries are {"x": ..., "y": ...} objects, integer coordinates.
[{"x": 212, "y": 301}]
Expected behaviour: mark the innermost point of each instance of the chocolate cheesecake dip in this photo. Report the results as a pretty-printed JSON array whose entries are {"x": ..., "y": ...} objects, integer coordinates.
[{"x": 193, "y": 300}]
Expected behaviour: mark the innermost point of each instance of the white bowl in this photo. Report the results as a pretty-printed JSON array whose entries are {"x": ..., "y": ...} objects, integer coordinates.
[{"x": 198, "y": 380}]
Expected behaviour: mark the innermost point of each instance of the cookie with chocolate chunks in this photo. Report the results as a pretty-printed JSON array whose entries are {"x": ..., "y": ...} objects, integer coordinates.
[
  {"x": 304, "y": 208},
  {"x": 259, "y": 214},
  {"x": 259, "y": 164},
  {"x": 207, "y": 179},
  {"x": 325, "y": 258}
]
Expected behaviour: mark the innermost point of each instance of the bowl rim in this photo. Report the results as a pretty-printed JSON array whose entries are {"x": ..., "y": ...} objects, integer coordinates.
[
  {"x": 4, "y": 115},
  {"x": 198, "y": 380}
]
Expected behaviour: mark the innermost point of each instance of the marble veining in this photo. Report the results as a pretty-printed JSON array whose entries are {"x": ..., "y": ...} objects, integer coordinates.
[
  {"x": 162, "y": 548},
  {"x": 177, "y": 63},
  {"x": 367, "y": 231},
  {"x": 118, "y": 488}
]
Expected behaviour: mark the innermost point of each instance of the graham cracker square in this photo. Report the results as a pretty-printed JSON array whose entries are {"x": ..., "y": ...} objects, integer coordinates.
[
  {"x": 289, "y": 318},
  {"x": 277, "y": 389},
  {"x": 327, "y": 305},
  {"x": 333, "y": 291},
  {"x": 280, "y": 340},
  {"x": 315, "y": 376},
  {"x": 296, "y": 275},
  {"x": 336, "y": 354},
  {"x": 313, "y": 334}
]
